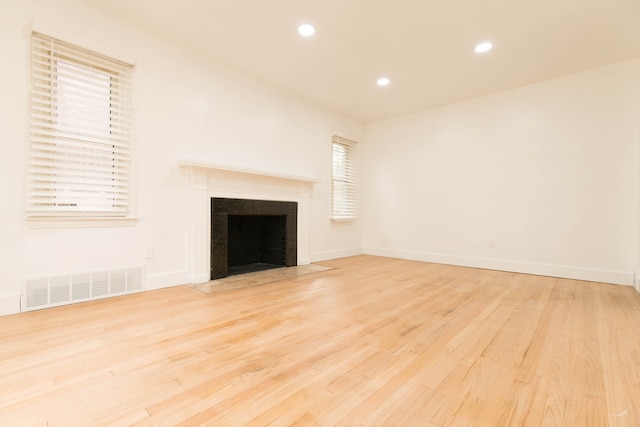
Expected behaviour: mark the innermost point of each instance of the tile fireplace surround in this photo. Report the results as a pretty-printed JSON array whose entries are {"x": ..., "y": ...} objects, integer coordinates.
[
  {"x": 246, "y": 234},
  {"x": 207, "y": 180}
]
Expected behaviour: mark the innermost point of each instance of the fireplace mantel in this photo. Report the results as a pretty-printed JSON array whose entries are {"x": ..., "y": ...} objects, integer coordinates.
[
  {"x": 197, "y": 164},
  {"x": 205, "y": 180}
]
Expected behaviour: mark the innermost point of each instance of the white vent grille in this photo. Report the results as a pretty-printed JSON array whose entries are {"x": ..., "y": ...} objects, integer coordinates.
[
  {"x": 80, "y": 286},
  {"x": 52, "y": 291},
  {"x": 100, "y": 284}
]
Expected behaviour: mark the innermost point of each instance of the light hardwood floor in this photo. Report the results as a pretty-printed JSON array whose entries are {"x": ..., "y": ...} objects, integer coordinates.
[{"x": 373, "y": 341}]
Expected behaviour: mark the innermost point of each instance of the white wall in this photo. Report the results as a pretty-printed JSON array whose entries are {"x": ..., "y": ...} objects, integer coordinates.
[
  {"x": 186, "y": 106},
  {"x": 542, "y": 179}
]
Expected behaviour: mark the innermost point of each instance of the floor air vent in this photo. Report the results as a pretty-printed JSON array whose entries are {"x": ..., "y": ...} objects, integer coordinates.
[{"x": 52, "y": 291}]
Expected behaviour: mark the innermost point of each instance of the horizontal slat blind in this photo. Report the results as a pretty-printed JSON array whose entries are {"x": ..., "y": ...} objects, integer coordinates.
[
  {"x": 344, "y": 179},
  {"x": 80, "y": 131}
]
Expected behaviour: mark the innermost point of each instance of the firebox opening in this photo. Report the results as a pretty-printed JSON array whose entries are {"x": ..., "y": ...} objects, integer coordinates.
[
  {"x": 256, "y": 242},
  {"x": 258, "y": 234}
]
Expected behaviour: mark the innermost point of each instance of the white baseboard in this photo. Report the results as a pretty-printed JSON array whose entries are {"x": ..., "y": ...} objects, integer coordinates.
[
  {"x": 198, "y": 278},
  {"x": 340, "y": 253},
  {"x": 563, "y": 271},
  {"x": 9, "y": 304},
  {"x": 304, "y": 261},
  {"x": 166, "y": 280}
]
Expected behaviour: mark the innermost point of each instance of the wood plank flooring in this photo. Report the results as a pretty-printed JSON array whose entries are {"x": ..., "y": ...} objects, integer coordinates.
[{"x": 372, "y": 341}]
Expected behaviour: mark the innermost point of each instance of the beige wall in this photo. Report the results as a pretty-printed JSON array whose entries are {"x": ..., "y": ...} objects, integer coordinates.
[{"x": 543, "y": 179}]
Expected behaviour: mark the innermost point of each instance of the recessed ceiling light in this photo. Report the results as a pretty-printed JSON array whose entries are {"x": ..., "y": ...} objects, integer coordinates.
[
  {"x": 306, "y": 30},
  {"x": 484, "y": 47},
  {"x": 383, "y": 81}
]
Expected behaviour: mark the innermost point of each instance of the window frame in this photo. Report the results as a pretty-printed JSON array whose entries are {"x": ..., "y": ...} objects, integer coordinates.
[
  {"x": 344, "y": 179},
  {"x": 88, "y": 158}
]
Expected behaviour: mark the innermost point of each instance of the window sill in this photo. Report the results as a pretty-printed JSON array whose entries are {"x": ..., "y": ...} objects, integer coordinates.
[
  {"x": 80, "y": 222},
  {"x": 344, "y": 219}
]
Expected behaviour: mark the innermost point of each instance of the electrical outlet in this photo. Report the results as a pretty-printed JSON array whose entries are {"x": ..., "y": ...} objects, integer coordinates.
[
  {"x": 148, "y": 252},
  {"x": 492, "y": 244}
]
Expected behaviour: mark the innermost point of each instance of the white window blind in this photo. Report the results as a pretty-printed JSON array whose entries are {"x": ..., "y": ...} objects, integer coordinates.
[
  {"x": 343, "y": 183},
  {"x": 80, "y": 132}
]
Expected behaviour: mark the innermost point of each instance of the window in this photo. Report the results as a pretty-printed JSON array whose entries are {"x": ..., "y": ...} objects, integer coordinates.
[
  {"x": 343, "y": 182},
  {"x": 80, "y": 132}
]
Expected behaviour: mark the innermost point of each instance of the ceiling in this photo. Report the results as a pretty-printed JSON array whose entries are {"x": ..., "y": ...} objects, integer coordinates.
[{"x": 424, "y": 46}]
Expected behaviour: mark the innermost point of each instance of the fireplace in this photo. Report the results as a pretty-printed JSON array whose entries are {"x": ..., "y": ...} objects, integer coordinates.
[
  {"x": 206, "y": 180},
  {"x": 252, "y": 235}
]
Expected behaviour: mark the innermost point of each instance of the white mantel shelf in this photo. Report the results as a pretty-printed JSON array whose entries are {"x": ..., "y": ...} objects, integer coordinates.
[{"x": 197, "y": 164}]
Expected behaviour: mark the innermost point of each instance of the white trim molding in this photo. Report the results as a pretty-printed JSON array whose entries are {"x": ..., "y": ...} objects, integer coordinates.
[
  {"x": 335, "y": 254},
  {"x": 166, "y": 280},
  {"x": 80, "y": 222},
  {"x": 39, "y": 27},
  {"x": 562, "y": 271},
  {"x": 197, "y": 164}
]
